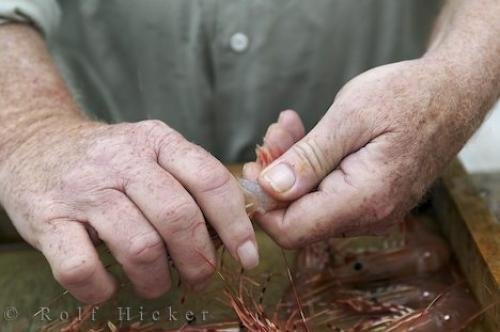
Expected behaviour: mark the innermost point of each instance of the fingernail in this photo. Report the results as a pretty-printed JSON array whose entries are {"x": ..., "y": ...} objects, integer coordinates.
[
  {"x": 249, "y": 257},
  {"x": 280, "y": 177}
]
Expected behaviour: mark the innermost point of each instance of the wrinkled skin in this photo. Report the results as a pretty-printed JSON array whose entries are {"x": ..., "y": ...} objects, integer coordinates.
[
  {"x": 141, "y": 188},
  {"x": 387, "y": 136}
]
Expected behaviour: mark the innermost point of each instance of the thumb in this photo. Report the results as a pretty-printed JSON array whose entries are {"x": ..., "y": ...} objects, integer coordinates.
[{"x": 302, "y": 167}]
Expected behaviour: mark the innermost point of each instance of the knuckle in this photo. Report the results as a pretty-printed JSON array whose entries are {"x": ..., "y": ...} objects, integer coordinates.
[
  {"x": 181, "y": 216},
  {"x": 159, "y": 135},
  {"x": 314, "y": 157},
  {"x": 170, "y": 140},
  {"x": 239, "y": 232},
  {"x": 76, "y": 272},
  {"x": 145, "y": 248},
  {"x": 185, "y": 229},
  {"x": 152, "y": 125},
  {"x": 214, "y": 178}
]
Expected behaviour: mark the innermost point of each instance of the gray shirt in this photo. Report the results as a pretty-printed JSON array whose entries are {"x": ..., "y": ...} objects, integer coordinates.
[{"x": 220, "y": 71}]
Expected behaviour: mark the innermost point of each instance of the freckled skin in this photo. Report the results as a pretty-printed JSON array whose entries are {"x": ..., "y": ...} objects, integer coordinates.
[
  {"x": 68, "y": 183},
  {"x": 389, "y": 133},
  {"x": 391, "y": 159},
  {"x": 386, "y": 137}
]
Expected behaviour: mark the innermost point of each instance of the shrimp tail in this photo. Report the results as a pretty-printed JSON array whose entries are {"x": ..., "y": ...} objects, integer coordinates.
[{"x": 256, "y": 199}]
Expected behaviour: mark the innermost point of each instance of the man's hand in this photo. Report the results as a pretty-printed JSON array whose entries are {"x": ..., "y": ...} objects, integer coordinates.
[
  {"x": 141, "y": 188},
  {"x": 388, "y": 134}
]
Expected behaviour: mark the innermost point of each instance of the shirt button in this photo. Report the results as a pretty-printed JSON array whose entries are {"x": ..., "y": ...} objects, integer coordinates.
[{"x": 239, "y": 42}]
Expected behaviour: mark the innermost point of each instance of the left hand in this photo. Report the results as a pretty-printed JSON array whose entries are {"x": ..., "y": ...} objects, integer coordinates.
[{"x": 386, "y": 138}]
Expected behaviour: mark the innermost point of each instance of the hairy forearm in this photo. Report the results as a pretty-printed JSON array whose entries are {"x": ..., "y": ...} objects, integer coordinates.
[
  {"x": 32, "y": 93},
  {"x": 466, "y": 39}
]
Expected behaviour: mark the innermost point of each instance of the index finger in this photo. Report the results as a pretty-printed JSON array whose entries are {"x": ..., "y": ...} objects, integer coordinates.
[{"x": 217, "y": 193}]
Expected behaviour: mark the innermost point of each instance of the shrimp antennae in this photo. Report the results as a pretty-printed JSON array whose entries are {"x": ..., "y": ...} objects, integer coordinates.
[{"x": 295, "y": 293}]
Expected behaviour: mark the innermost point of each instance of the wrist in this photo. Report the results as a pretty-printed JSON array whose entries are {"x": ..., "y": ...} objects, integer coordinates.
[
  {"x": 33, "y": 96},
  {"x": 473, "y": 84},
  {"x": 19, "y": 134},
  {"x": 472, "y": 59}
]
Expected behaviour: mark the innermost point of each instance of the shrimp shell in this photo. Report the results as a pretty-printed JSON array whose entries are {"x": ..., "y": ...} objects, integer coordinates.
[{"x": 256, "y": 199}]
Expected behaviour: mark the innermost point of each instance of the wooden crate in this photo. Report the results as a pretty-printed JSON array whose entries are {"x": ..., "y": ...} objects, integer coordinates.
[{"x": 473, "y": 232}]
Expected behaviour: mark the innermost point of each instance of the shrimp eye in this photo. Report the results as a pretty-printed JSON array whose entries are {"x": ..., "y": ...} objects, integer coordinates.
[{"x": 358, "y": 266}]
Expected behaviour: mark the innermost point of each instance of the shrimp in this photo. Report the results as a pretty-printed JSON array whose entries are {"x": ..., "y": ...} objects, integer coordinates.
[
  {"x": 450, "y": 312},
  {"x": 414, "y": 292},
  {"x": 411, "y": 260},
  {"x": 311, "y": 260},
  {"x": 423, "y": 253},
  {"x": 342, "y": 275},
  {"x": 256, "y": 199},
  {"x": 349, "y": 302}
]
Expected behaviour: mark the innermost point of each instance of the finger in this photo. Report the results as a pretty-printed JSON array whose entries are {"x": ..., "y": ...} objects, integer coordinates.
[
  {"x": 75, "y": 263},
  {"x": 346, "y": 204},
  {"x": 217, "y": 193},
  {"x": 134, "y": 243},
  {"x": 251, "y": 170},
  {"x": 290, "y": 121},
  {"x": 308, "y": 161},
  {"x": 277, "y": 140},
  {"x": 177, "y": 218},
  {"x": 279, "y": 137}
]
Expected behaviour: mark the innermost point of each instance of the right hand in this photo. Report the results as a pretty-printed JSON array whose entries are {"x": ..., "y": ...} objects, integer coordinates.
[{"x": 141, "y": 187}]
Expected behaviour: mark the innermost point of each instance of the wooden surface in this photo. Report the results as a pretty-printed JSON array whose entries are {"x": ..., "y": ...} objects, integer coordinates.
[
  {"x": 26, "y": 284},
  {"x": 474, "y": 234},
  {"x": 488, "y": 188}
]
